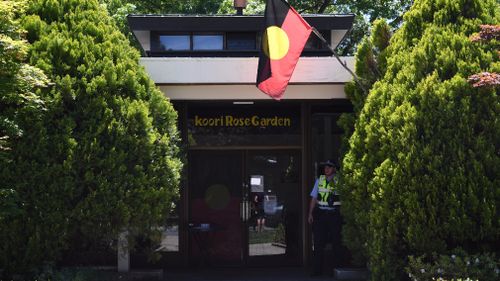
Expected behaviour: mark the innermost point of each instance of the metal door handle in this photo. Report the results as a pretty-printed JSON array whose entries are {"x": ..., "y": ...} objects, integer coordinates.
[{"x": 244, "y": 210}]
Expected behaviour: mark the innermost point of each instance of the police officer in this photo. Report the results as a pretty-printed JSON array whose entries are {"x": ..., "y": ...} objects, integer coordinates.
[{"x": 324, "y": 215}]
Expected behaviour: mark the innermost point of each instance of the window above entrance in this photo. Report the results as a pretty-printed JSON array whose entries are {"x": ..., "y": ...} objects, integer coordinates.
[
  {"x": 221, "y": 44},
  {"x": 241, "y": 41},
  {"x": 224, "y": 35},
  {"x": 174, "y": 42},
  {"x": 208, "y": 42}
]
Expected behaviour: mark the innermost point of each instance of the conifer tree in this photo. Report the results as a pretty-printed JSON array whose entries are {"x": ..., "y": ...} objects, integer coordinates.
[
  {"x": 104, "y": 157},
  {"x": 422, "y": 170},
  {"x": 370, "y": 66}
]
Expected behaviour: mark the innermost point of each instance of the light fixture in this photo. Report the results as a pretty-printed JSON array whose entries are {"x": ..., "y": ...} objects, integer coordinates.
[
  {"x": 239, "y": 5},
  {"x": 272, "y": 161},
  {"x": 242, "y": 102}
]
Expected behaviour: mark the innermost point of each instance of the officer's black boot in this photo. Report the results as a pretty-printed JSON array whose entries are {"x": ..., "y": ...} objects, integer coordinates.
[{"x": 317, "y": 267}]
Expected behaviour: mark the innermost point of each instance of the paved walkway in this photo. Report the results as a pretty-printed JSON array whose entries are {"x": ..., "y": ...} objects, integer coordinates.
[{"x": 241, "y": 274}]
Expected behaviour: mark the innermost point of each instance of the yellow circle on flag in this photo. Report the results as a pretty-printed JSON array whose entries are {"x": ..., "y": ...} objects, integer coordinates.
[{"x": 275, "y": 43}]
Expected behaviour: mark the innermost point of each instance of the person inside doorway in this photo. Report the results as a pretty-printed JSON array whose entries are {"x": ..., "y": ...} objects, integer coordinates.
[
  {"x": 258, "y": 213},
  {"x": 324, "y": 215}
]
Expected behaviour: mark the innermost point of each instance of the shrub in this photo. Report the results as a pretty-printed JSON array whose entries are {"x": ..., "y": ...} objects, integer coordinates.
[
  {"x": 371, "y": 63},
  {"x": 104, "y": 155},
  {"x": 421, "y": 174},
  {"x": 457, "y": 266}
]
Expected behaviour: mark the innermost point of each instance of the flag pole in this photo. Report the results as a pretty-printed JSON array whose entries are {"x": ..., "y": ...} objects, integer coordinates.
[{"x": 356, "y": 78}]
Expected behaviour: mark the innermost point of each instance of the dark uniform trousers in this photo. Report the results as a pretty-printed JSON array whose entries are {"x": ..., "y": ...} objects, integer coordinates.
[{"x": 327, "y": 227}]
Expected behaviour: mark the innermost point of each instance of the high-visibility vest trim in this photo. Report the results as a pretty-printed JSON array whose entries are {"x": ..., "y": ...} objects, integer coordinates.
[{"x": 325, "y": 190}]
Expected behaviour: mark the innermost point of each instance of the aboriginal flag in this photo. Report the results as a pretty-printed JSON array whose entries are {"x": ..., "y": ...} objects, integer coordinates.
[{"x": 283, "y": 40}]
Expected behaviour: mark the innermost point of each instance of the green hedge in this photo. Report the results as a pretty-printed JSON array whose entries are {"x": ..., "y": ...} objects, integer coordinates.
[
  {"x": 104, "y": 155},
  {"x": 422, "y": 169},
  {"x": 456, "y": 266}
]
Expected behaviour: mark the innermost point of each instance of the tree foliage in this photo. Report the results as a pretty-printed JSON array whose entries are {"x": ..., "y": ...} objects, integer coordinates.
[
  {"x": 421, "y": 174},
  {"x": 19, "y": 80},
  {"x": 103, "y": 157},
  {"x": 370, "y": 66},
  {"x": 166, "y": 6}
]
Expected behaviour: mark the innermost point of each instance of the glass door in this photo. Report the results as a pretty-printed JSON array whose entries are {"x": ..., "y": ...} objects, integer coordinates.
[
  {"x": 273, "y": 235},
  {"x": 245, "y": 207},
  {"x": 215, "y": 225}
]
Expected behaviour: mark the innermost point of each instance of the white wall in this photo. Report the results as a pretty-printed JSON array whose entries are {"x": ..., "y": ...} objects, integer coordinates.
[
  {"x": 250, "y": 92},
  {"x": 234, "y": 78},
  {"x": 190, "y": 70}
]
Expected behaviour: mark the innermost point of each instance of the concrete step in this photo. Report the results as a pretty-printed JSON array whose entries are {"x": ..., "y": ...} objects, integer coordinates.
[
  {"x": 149, "y": 275},
  {"x": 351, "y": 274}
]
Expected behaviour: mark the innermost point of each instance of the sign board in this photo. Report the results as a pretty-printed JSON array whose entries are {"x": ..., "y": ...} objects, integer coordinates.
[{"x": 257, "y": 183}]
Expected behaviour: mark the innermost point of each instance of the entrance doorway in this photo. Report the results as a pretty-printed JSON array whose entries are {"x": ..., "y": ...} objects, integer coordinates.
[{"x": 245, "y": 207}]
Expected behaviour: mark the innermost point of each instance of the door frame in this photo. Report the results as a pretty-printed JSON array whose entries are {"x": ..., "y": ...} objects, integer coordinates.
[
  {"x": 270, "y": 260},
  {"x": 246, "y": 260},
  {"x": 307, "y": 108}
]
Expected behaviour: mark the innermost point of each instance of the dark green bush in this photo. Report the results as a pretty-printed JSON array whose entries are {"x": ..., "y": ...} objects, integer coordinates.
[
  {"x": 421, "y": 174},
  {"x": 103, "y": 157},
  {"x": 370, "y": 66},
  {"x": 456, "y": 266}
]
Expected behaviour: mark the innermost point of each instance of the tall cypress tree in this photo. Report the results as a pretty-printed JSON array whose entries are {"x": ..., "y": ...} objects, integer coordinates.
[
  {"x": 370, "y": 66},
  {"x": 108, "y": 157},
  {"x": 422, "y": 171}
]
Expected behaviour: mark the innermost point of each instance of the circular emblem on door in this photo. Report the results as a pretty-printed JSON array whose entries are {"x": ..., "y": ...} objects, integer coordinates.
[{"x": 217, "y": 196}]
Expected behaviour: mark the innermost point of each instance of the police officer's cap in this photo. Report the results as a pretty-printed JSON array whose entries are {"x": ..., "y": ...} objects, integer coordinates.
[{"x": 329, "y": 162}]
